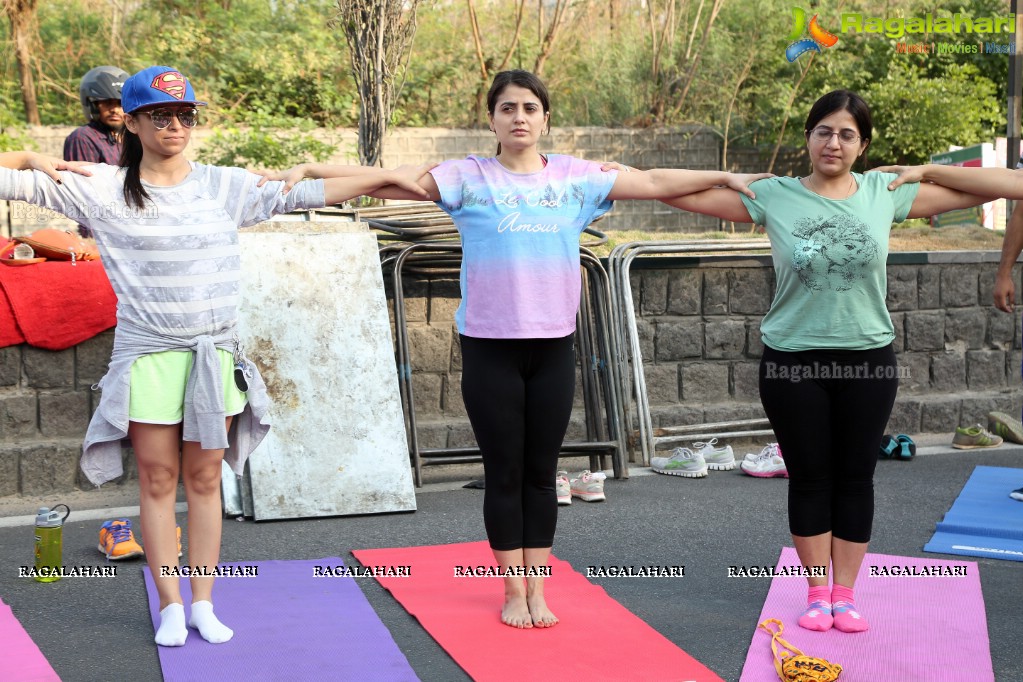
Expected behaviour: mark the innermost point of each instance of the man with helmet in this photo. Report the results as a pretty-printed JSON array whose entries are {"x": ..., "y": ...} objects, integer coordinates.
[{"x": 99, "y": 140}]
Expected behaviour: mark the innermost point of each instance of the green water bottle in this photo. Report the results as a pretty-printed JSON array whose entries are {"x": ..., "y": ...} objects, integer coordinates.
[{"x": 49, "y": 527}]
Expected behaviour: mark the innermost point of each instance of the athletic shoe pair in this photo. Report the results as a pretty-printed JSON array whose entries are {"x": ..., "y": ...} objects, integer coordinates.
[
  {"x": 117, "y": 541},
  {"x": 587, "y": 486},
  {"x": 694, "y": 463}
]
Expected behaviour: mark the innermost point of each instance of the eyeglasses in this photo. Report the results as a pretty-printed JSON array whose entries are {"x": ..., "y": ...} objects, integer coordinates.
[
  {"x": 823, "y": 134},
  {"x": 162, "y": 117}
]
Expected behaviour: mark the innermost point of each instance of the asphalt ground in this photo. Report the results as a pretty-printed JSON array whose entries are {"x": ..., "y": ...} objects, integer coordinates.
[{"x": 99, "y": 628}]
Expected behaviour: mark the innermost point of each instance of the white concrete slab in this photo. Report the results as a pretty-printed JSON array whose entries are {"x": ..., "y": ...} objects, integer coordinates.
[{"x": 314, "y": 319}]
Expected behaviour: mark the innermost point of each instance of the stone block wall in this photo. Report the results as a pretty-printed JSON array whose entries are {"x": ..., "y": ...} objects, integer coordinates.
[
  {"x": 699, "y": 326},
  {"x": 693, "y": 147},
  {"x": 46, "y": 402},
  {"x": 699, "y": 329}
]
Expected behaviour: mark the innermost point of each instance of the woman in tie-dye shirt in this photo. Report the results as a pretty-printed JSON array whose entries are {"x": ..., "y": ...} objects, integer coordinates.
[{"x": 520, "y": 214}]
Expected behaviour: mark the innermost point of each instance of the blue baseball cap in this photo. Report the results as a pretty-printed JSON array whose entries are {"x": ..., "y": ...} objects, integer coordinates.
[{"x": 156, "y": 85}]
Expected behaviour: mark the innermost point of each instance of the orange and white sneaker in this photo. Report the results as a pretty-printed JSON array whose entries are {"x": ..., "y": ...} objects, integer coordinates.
[
  {"x": 178, "y": 531},
  {"x": 117, "y": 541}
]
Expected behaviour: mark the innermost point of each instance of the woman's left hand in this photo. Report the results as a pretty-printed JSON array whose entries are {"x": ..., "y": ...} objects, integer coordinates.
[
  {"x": 407, "y": 177},
  {"x": 614, "y": 165},
  {"x": 291, "y": 176},
  {"x": 740, "y": 182},
  {"x": 905, "y": 173},
  {"x": 51, "y": 164}
]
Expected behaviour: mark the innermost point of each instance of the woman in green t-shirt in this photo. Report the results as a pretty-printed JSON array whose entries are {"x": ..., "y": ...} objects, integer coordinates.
[{"x": 828, "y": 375}]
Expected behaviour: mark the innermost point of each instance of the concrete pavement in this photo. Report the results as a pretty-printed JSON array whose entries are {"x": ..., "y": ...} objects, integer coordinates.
[{"x": 99, "y": 629}]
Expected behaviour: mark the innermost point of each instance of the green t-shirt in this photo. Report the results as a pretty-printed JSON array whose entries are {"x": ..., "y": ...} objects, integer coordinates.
[{"x": 829, "y": 261}]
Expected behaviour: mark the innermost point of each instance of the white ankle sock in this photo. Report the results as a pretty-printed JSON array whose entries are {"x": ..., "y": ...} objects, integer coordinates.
[
  {"x": 172, "y": 630},
  {"x": 211, "y": 629}
]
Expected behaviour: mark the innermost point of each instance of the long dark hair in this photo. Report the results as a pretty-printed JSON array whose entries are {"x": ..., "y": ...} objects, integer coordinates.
[
  {"x": 135, "y": 194},
  {"x": 523, "y": 79}
]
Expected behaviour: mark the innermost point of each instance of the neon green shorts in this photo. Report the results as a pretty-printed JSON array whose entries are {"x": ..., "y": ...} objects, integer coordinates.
[{"x": 158, "y": 386}]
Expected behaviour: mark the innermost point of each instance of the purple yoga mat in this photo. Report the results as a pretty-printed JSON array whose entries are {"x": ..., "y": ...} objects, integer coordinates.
[
  {"x": 930, "y": 628},
  {"x": 288, "y": 625}
]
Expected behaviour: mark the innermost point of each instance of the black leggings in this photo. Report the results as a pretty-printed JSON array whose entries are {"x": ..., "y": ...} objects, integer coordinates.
[
  {"x": 518, "y": 394},
  {"x": 829, "y": 409}
]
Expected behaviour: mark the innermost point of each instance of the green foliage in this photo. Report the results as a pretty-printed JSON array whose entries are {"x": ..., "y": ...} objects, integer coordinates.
[
  {"x": 270, "y": 142},
  {"x": 12, "y": 133},
  {"x": 268, "y": 64},
  {"x": 916, "y": 116}
]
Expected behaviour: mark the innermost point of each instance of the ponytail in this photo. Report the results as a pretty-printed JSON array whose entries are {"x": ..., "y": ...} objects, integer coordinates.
[{"x": 135, "y": 194}]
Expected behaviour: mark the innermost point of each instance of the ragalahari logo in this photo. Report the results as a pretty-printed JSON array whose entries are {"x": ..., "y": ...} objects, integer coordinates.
[{"x": 819, "y": 38}]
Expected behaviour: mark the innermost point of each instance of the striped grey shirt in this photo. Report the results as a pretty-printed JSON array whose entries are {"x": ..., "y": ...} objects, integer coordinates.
[{"x": 174, "y": 264}]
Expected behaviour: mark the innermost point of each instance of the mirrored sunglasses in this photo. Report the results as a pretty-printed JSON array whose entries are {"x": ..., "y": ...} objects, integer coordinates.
[{"x": 162, "y": 117}]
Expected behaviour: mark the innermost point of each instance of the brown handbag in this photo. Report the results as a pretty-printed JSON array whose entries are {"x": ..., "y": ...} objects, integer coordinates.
[{"x": 54, "y": 244}]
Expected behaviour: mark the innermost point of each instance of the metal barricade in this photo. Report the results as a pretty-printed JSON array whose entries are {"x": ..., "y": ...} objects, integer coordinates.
[{"x": 626, "y": 350}]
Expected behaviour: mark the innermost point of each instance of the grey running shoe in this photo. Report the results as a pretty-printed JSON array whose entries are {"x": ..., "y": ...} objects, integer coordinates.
[
  {"x": 974, "y": 436},
  {"x": 1007, "y": 427},
  {"x": 563, "y": 488},
  {"x": 683, "y": 462},
  {"x": 717, "y": 459},
  {"x": 588, "y": 487}
]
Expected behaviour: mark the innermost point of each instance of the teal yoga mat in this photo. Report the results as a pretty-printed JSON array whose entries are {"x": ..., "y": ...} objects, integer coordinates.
[{"x": 984, "y": 521}]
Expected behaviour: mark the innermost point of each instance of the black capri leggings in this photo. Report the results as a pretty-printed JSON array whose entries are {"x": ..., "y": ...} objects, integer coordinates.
[
  {"x": 829, "y": 409},
  {"x": 518, "y": 394}
]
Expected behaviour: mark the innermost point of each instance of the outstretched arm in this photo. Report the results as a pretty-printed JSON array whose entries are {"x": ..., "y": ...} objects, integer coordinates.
[
  {"x": 425, "y": 189},
  {"x": 933, "y": 199},
  {"x": 720, "y": 203},
  {"x": 668, "y": 183},
  {"x": 47, "y": 164},
  {"x": 404, "y": 180},
  {"x": 991, "y": 183}
]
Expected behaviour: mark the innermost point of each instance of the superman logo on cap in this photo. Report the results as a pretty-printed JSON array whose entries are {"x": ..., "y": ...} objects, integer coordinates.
[{"x": 171, "y": 83}]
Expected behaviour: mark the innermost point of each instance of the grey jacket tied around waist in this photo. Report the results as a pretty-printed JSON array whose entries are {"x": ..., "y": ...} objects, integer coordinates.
[{"x": 204, "y": 416}]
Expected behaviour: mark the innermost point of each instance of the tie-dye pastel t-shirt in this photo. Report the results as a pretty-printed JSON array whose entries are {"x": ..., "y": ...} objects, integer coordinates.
[
  {"x": 830, "y": 258},
  {"x": 520, "y": 241}
]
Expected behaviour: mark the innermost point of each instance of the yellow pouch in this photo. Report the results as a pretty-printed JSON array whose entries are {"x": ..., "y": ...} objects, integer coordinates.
[{"x": 795, "y": 666}]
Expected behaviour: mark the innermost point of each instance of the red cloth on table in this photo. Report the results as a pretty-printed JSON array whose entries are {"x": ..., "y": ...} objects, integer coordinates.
[{"x": 55, "y": 305}]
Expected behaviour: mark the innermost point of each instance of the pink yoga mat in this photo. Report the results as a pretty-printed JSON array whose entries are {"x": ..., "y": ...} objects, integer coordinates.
[
  {"x": 20, "y": 658},
  {"x": 931, "y": 628},
  {"x": 597, "y": 638}
]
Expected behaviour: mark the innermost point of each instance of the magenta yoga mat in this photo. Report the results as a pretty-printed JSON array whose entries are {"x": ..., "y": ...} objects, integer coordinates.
[
  {"x": 927, "y": 622},
  {"x": 288, "y": 625},
  {"x": 20, "y": 658}
]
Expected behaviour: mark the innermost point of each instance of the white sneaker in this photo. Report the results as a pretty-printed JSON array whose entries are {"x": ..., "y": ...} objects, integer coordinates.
[
  {"x": 588, "y": 487},
  {"x": 683, "y": 462},
  {"x": 768, "y": 463},
  {"x": 717, "y": 459},
  {"x": 563, "y": 487}
]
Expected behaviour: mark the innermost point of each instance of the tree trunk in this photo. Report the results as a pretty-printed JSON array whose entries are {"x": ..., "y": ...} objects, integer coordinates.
[
  {"x": 21, "y": 14},
  {"x": 379, "y": 34}
]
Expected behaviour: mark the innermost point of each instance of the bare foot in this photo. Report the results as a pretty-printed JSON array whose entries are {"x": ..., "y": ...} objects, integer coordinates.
[
  {"x": 515, "y": 613},
  {"x": 541, "y": 615}
]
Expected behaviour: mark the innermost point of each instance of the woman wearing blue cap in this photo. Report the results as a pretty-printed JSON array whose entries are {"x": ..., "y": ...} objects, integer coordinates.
[{"x": 167, "y": 231}]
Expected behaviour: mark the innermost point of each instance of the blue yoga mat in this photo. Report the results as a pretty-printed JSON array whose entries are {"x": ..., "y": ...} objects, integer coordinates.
[{"x": 984, "y": 521}]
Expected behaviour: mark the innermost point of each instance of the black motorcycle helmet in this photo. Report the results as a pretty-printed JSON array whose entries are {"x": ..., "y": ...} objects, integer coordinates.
[{"x": 103, "y": 82}]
